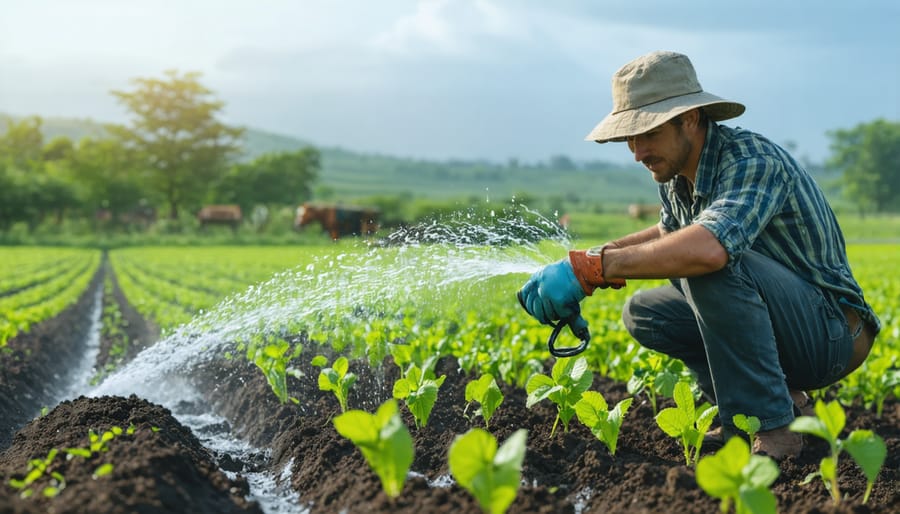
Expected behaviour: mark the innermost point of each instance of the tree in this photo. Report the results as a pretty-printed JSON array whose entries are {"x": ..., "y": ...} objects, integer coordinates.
[
  {"x": 276, "y": 178},
  {"x": 176, "y": 134},
  {"x": 868, "y": 155},
  {"x": 105, "y": 169},
  {"x": 23, "y": 142}
]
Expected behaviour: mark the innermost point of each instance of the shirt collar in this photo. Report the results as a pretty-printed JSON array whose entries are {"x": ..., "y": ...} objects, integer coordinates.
[{"x": 706, "y": 166}]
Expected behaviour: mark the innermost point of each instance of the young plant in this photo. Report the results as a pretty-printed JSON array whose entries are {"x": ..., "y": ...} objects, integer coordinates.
[
  {"x": 655, "y": 375},
  {"x": 419, "y": 390},
  {"x": 485, "y": 391},
  {"x": 734, "y": 475},
  {"x": 568, "y": 379},
  {"x": 336, "y": 379},
  {"x": 687, "y": 422},
  {"x": 866, "y": 447},
  {"x": 490, "y": 474},
  {"x": 383, "y": 440},
  {"x": 750, "y": 425},
  {"x": 593, "y": 411},
  {"x": 36, "y": 469},
  {"x": 272, "y": 359}
]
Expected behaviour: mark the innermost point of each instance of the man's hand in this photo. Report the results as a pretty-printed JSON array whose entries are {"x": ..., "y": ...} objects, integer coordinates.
[{"x": 552, "y": 293}]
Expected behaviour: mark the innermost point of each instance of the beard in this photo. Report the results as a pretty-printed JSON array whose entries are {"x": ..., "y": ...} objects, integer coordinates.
[{"x": 665, "y": 169}]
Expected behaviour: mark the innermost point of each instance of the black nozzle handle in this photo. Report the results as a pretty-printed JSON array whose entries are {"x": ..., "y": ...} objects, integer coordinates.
[
  {"x": 568, "y": 351},
  {"x": 579, "y": 329}
]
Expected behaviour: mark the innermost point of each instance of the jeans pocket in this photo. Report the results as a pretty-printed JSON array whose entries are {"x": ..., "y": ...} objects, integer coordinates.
[{"x": 838, "y": 344}]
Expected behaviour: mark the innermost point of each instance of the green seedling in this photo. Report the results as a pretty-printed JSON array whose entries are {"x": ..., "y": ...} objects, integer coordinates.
[
  {"x": 750, "y": 425},
  {"x": 687, "y": 422},
  {"x": 874, "y": 383},
  {"x": 654, "y": 375},
  {"x": 485, "y": 391},
  {"x": 864, "y": 446},
  {"x": 272, "y": 359},
  {"x": 593, "y": 411},
  {"x": 336, "y": 379},
  {"x": 490, "y": 474},
  {"x": 383, "y": 440},
  {"x": 36, "y": 469},
  {"x": 419, "y": 390},
  {"x": 568, "y": 380},
  {"x": 734, "y": 475}
]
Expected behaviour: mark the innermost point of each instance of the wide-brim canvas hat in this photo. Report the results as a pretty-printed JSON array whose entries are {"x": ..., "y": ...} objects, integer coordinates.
[{"x": 653, "y": 89}]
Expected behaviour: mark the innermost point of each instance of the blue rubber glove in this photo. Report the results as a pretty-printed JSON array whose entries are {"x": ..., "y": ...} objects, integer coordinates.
[{"x": 552, "y": 293}]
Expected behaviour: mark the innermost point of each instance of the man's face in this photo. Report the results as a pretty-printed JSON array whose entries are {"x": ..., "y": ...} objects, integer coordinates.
[{"x": 663, "y": 150}]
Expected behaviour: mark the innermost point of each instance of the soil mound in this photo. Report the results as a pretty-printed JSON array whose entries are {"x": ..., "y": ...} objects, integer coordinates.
[{"x": 157, "y": 466}]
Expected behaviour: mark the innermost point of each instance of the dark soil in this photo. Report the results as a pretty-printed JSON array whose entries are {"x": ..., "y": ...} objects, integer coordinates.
[{"x": 167, "y": 470}]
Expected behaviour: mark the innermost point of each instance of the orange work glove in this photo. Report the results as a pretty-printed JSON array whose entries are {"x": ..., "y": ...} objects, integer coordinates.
[{"x": 588, "y": 268}]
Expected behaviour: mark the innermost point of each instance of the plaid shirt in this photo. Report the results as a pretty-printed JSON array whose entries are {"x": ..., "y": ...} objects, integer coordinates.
[{"x": 752, "y": 195}]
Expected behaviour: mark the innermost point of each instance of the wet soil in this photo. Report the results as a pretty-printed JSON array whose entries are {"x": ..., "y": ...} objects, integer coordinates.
[{"x": 168, "y": 470}]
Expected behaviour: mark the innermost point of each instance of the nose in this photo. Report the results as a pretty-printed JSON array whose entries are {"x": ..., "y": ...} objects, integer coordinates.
[{"x": 639, "y": 147}]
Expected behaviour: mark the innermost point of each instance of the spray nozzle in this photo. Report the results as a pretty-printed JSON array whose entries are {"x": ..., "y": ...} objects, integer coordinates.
[{"x": 576, "y": 323}]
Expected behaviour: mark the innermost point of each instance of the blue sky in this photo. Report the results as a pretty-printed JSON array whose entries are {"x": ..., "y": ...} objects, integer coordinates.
[{"x": 440, "y": 79}]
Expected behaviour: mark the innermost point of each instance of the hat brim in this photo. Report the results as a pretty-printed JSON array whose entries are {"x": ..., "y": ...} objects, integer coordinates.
[{"x": 618, "y": 126}]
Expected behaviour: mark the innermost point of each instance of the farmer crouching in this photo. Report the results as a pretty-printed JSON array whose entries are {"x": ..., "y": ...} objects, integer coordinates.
[{"x": 762, "y": 304}]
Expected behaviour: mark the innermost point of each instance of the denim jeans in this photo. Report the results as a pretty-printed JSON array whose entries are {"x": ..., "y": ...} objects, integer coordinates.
[{"x": 751, "y": 332}]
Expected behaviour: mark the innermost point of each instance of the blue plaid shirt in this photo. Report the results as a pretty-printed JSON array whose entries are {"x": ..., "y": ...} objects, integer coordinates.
[{"x": 752, "y": 195}]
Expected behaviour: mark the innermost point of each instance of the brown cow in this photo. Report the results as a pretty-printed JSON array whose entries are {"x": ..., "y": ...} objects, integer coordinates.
[
  {"x": 220, "y": 215},
  {"x": 338, "y": 220}
]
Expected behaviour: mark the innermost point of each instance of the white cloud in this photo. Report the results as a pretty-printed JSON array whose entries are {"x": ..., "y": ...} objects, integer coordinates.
[{"x": 448, "y": 27}]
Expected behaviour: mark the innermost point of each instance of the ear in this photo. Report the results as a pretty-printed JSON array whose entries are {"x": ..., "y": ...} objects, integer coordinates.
[{"x": 691, "y": 119}]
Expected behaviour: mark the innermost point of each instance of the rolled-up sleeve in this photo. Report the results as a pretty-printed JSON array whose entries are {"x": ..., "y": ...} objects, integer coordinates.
[{"x": 747, "y": 195}]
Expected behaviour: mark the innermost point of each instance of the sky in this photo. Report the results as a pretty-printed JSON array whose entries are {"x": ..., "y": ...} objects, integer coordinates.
[{"x": 456, "y": 79}]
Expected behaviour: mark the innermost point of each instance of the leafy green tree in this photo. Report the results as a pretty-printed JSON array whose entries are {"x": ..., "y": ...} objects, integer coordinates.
[
  {"x": 867, "y": 155},
  {"x": 106, "y": 172},
  {"x": 176, "y": 134},
  {"x": 23, "y": 142},
  {"x": 276, "y": 178}
]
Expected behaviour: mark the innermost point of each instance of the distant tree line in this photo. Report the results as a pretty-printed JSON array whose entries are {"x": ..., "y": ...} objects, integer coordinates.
[{"x": 174, "y": 154}]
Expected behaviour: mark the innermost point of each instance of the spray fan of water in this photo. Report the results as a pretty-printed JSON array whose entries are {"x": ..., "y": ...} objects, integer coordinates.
[{"x": 416, "y": 266}]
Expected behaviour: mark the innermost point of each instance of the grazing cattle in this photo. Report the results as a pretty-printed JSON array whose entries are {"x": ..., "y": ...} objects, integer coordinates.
[
  {"x": 643, "y": 210},
  {"x": 220, "y": 215},
  {"x": 338, "y": 221}
]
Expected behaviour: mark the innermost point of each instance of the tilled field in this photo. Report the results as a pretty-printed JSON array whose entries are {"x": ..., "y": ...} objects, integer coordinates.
[{"x": 162, "y": 467}]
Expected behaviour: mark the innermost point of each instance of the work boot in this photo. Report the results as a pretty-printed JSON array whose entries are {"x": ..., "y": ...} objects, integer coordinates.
[
  {"x": 714, "y": 439},
  {"x": 802, "y": 403},
  {"x": 778, "y": 443},
  {"x": 803, "y": 406}
]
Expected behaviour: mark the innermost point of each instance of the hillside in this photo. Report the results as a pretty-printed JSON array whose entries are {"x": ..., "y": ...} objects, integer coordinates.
[{"x": 347, "y": 175}]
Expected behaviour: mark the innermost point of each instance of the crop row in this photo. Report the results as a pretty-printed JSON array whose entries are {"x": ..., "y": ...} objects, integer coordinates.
[{"x": 39, "y": 283}]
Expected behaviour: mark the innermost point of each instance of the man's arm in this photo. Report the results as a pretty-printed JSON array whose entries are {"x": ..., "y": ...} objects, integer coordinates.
[
  {"x": 689, "y": 252},
  {"x": 636, "y": 238}
]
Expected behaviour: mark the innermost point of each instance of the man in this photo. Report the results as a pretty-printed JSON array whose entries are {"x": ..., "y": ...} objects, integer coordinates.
[{"x": 762, "y": 303}]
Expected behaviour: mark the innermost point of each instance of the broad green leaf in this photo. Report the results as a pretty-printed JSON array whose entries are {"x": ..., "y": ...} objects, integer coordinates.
[
  {"x": 673, "y": 422},
  {"x": 402, "y": 388},
  {"x": 319, "y": 361},
  {"x": 868, "y": 450},
  {"x": 810, "y": 425},
  {"x": 760, "y": 471},
  {"x": 832, "y": 415},
  {"x": 720, "y": 474},
  {"x": 341, "y": 366},
  {"x": 470, "y": 453},
  {"x": 357, "y": 426},
  {"x": 757, "y": 501},
  {"x": 684, "y": 399}
]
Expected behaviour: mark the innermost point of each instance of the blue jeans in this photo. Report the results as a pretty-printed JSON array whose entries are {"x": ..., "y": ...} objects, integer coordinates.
[{"x": 751, "y": 332}]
